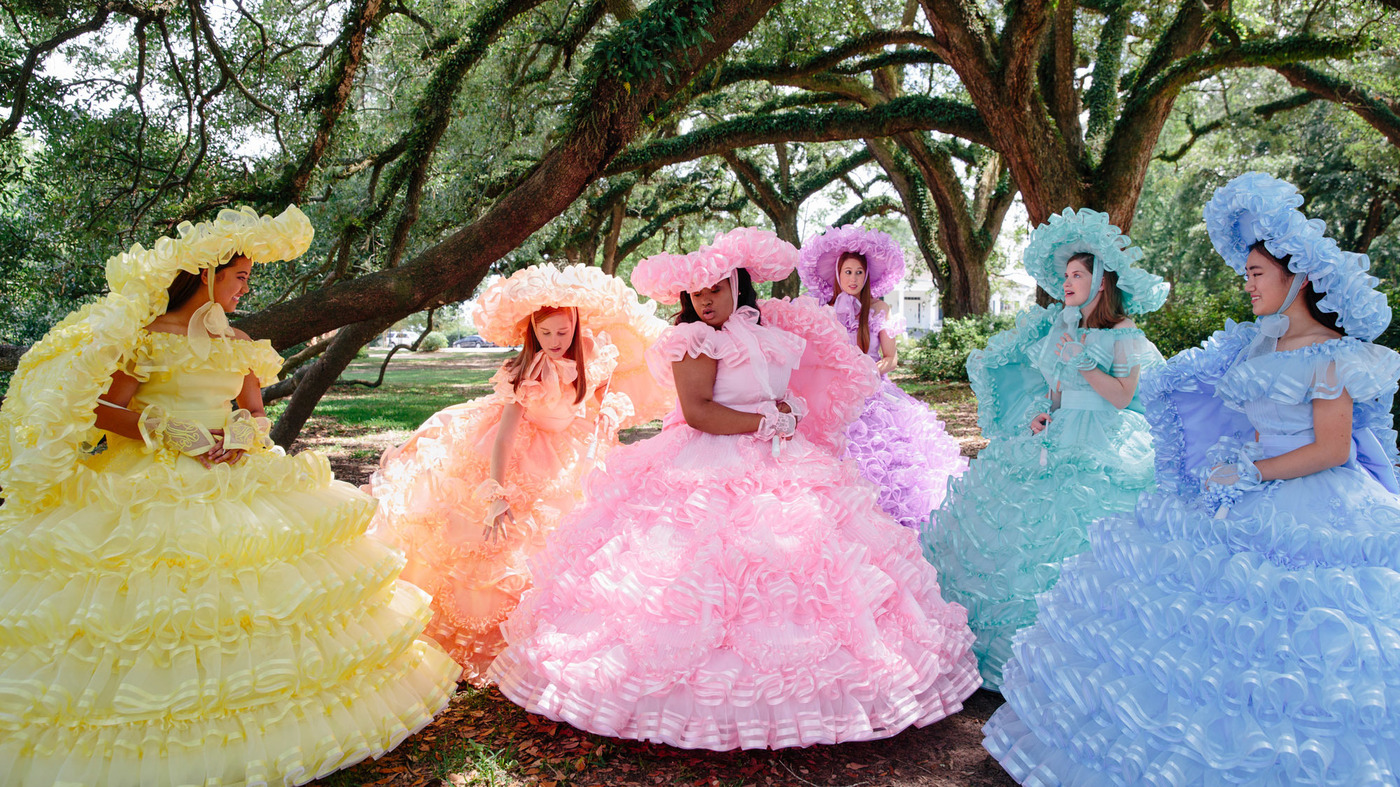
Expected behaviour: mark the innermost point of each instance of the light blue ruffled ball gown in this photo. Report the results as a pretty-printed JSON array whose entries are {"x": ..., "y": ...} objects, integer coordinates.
[
  {"x": 1027, "y": 499},
  {"x": 1254, "y": 644}
]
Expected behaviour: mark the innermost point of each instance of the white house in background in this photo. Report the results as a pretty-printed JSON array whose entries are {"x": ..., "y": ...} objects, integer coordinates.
[{"x": 917, "y": 300}]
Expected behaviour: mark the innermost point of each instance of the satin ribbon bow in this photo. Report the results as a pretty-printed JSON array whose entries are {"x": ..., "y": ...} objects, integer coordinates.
[{"x": 207, "y": 322}]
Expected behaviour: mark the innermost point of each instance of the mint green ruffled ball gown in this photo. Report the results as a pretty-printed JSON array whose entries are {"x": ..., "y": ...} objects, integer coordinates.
[{"x": 1027, "y": 499}]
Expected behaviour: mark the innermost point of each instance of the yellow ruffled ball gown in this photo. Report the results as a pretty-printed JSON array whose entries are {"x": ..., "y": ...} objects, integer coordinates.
[
  {"x": 432, "y": 506},
  {"x": 166, "y": 624}
]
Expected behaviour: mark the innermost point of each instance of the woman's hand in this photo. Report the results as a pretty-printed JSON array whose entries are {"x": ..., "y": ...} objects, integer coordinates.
[
  {"x": 218, "y": 455},
  {"x": 1039, "y": 423},
  {"x": 497, "y": 518},
  {"x": 887, "y": 364}
]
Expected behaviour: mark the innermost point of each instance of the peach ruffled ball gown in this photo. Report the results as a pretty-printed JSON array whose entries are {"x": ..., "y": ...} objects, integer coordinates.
[{"x": 432, "y": 504}]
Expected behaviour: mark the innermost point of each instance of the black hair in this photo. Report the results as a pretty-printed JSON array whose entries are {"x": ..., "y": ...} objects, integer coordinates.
[
  {"x": 186, "y": 284},
  {"x": 1307, "y": 293},
  {"x": 748, "y": 296}
]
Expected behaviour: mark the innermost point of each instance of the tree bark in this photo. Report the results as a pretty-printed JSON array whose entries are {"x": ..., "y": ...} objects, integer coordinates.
[
  {"x": 10, "y": 355},
  {"x": 321, "y": 375},
  {"x": 619, "y": 212}
]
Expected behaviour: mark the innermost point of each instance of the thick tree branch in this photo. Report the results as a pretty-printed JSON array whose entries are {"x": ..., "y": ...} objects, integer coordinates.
[
  {"x": 812, "y": 182},
  {"x": 1057, "y": 71},
  {"x": 610, "y": 106},
  {"x": 723, "y": 75},
  {"x": 1383, "y": 116},
  {"x": 874, "y": 206},
  {"x": 907, "y": 113},
  {"x": 755, "y": 185},
  {"x": 1273, "y": 52},
  {"x": 335, "y": 95},
  {"x": 1261, "y": 112}
]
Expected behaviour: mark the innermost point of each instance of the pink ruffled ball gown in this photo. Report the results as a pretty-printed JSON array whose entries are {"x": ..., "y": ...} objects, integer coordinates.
[
  {"x": 711, "y": 594},
  {"x": 901, "y": 446},
  {"x": 433, "y": 507}
]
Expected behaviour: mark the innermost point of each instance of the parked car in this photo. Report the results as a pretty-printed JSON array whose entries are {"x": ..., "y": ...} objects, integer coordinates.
[{"x": 472, "y": 341}]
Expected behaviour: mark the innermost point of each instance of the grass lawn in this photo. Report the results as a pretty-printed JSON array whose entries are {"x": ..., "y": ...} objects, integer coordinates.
[
  {"x": 484, "y": 739},
  {"x": 353, "y": 424}
]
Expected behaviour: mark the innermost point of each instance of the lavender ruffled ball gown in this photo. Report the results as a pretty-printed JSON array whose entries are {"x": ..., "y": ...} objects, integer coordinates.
[{"x": 901, "y": 446}]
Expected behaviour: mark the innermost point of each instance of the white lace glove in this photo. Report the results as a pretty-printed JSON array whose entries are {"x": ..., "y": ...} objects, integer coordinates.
[
  {"x": 616, "y": 407},
  {"x": 159, "y": 429},
  {"x": 796, "y": 404},
  {"x": 498, "y": 513},
  {"x": 775, "y": 423},
  {"x": 1073, "y": 354},
  {"x": 1229, "y": 473},
  {"x": 243, "y": 432}
]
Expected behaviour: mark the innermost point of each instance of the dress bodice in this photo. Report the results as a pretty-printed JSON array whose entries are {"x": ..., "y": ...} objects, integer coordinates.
[
  {"x": 1275, "y": 391},
  {"x": 1115, "y": 351},
  {"x": 173, "y": 376},
  {"x": 847, "y": 309},
  {"x": 549, "y": 389},
  {"x": 754, "y": 361}
]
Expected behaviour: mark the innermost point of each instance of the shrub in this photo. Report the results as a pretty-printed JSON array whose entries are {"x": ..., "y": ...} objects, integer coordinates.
[
  {"x": 433, "y": 342},
  {"x": 942, "y": 355},
  {"x": 1191, "y": 315}
]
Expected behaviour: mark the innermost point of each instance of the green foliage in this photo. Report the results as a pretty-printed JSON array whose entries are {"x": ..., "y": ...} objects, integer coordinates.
[
  {"x": 1391, "y": 337},
  {"x": 434, "y": 341},
  {"x": 1192, "y": 314},
  {"x": 642, "y": 46},
  {"x": 942, "y": 355}
]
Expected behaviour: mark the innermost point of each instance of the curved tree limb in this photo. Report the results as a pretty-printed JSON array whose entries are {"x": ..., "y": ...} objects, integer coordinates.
[
  {"x": 1262, "y": 112},
  {"x": 609, "y": 116},
  {"x": 907, "y": 113},
  {"x": 19, "y": 90},
  {"x": 1384, "y": 116}
]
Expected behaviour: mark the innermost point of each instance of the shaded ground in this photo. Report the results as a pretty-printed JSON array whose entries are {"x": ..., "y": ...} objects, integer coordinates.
[{"x": 483, "y": 739}]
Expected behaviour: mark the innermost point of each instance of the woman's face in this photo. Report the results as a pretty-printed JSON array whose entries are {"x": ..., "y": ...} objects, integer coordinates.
[
  {"x": 850, "y": 275},
  {"x": 1265, "y": 282},
  {"x": 1079, "y": 277},
  {"x": 231, "y": 283},
  {"x": 555, "y": 334},
  {"x": 714, "y": 304}
]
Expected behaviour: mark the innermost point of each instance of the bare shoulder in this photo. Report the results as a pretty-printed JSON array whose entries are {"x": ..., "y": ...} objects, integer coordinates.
[
  {"x": 1126, "y": 323},
  {"x": 880, "y": 306},
  {"x": 164, "y": 323},
  {"x": 238, "y": 334}
]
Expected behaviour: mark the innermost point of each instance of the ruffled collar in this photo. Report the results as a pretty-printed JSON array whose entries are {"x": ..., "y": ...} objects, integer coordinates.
[{"x": 164, "y": 351}]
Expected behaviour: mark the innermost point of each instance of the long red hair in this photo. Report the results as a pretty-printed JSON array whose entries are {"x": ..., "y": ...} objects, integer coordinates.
[
  {"x": 531, "y": 348},
  {"x": 866, "y": 299},
  {"x": 1108, "y": 311}
]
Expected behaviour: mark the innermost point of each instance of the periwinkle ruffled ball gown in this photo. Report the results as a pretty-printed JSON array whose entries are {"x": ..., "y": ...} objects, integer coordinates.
[
  {"x": 901, "y": 446},
  {"x": 431, "y": 504},
  {"x": 1254, "y": 644},
  {"x": 709, "y": 594},
  {"x": 163, "y": 623},
  {"x": 1027, "y": 500}
]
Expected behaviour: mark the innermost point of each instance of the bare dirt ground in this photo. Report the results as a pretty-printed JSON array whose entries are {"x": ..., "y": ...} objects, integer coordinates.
[{"x": 483, "y": 738}]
